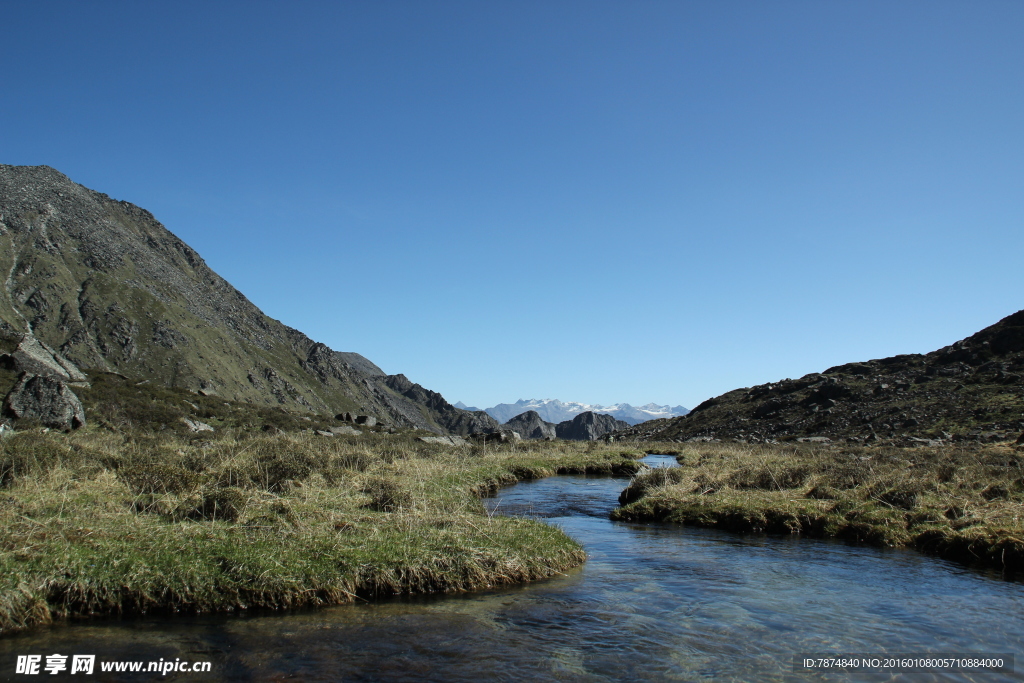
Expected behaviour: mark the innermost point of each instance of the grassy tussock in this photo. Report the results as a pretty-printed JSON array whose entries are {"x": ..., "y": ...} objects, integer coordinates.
[
  {"x": 111, "y": 523},
  {"x": 961, "y": 503}
]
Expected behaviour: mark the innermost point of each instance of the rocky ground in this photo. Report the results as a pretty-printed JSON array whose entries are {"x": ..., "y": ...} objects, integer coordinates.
[{"x": 970, "y": 391}]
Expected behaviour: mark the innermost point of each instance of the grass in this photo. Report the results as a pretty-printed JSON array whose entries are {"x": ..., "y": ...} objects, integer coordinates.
[
  {"x": 119, "y": 404},
  {"x": 120, "y": 522},
  {"x": 963, "y": 503}
]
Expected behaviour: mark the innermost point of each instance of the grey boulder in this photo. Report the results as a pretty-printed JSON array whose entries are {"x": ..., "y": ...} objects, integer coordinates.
[
  {"x": 345, "y": 430},
  {"x": 445, "y": 440},
  {"x": 43, "y": 398},
  {"x": 503, "y": 436},
  {"x": 196, "y": 425}
]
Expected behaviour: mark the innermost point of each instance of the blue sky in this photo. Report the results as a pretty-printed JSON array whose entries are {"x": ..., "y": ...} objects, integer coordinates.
[{"x": 592, "y": 201}]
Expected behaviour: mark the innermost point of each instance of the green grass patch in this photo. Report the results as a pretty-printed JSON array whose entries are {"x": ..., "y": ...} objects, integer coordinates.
[
  {"x": 964, "y": 503},
  {"x": 126, "y": 522}
]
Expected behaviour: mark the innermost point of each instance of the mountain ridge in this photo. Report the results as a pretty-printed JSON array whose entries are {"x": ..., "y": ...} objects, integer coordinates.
[
  {"x": 110, "y": 288},
  {"x": 971, "y": 390}
]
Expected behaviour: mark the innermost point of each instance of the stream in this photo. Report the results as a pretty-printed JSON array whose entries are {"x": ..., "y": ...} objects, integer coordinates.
[{"x": 654, "y": 602}]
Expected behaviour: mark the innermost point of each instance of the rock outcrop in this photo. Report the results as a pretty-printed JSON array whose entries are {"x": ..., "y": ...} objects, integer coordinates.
[
  {"x": 531, "y": 426},
  {"x": 41, "y": 392},
  {"x": 46, "y": 399},
  {"x": 588, "y": 426},
  {"x": 972, "y": 390},
  {"x": 457, "y": 441},
  {"x": 500, "y": 436},
  {"x": 344, "y": 430},
  {"x": 34, "y": 357},
  {"x": 196, "y": 426}
]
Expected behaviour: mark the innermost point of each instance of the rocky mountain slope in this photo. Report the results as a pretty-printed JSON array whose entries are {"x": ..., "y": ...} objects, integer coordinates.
[
  {"x": 108, "y": 287},
  {"x": 971, "y": 390},
  {"x": 586, "y": 426},
  {"x": 530, "y": 425},
  {"x": 553, "y": 410}
]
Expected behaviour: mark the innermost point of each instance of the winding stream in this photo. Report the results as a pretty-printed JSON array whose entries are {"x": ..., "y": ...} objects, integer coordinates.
[{"x": 653, "y": 602}]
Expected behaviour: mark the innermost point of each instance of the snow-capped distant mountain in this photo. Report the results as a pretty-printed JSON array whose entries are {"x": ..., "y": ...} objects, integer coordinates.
[{"x": 553, "y": 410}]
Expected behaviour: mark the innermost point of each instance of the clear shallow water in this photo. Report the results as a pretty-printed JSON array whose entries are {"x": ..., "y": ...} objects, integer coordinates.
[{"x": 653, "y": 602}]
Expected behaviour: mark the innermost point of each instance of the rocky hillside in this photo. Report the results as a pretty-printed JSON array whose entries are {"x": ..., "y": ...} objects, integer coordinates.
[
  {"x": 586, "y": 426},
  {"x": 971, "y": 390},
  {"x": 109, "y": 288}
]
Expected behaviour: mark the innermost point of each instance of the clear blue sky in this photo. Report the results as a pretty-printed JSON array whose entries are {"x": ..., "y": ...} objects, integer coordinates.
[{"x": 593, "y": 201}]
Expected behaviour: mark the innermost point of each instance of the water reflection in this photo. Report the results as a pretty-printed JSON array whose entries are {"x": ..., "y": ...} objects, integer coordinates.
[{"x": 654, "y": 602}]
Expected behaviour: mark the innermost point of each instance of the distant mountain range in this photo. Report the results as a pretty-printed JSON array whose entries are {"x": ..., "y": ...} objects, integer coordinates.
[{"x": 555, "y": 411}]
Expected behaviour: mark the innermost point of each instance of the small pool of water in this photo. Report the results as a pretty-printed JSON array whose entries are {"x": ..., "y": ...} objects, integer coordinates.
[{"x": 654, "y": 602}]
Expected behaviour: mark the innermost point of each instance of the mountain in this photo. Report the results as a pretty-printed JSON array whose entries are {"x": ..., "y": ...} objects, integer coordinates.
[
  {"x": 553, "y": 410},
  {"x": 109, "y": 288},
  {"x": 462, "y": 406},
  {"x": 969, "y": 391},
  {"x": 530, "y": 425},
  {"x": 586, "y": 426}
]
